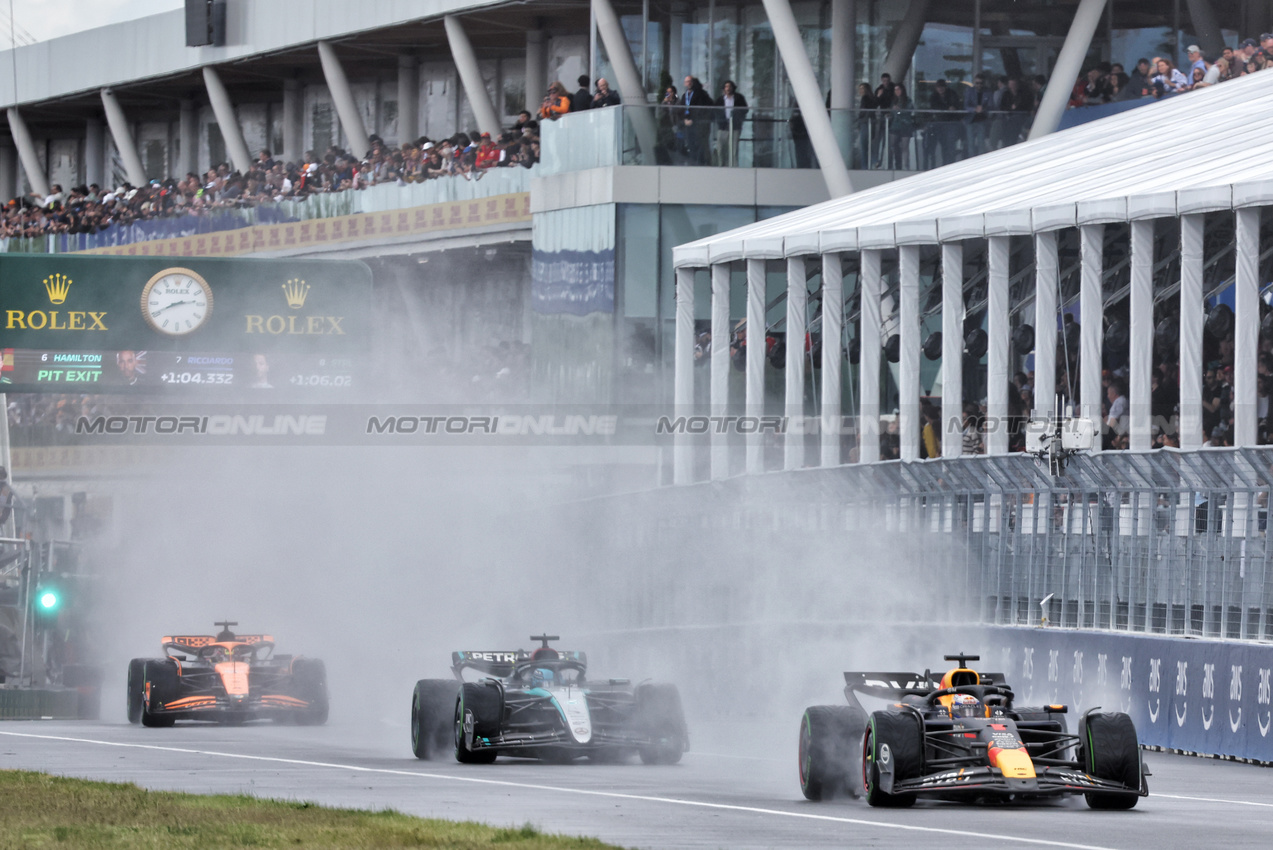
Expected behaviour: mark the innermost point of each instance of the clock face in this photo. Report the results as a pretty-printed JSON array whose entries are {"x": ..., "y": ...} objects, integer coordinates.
[{"x": 176, "y": 302}]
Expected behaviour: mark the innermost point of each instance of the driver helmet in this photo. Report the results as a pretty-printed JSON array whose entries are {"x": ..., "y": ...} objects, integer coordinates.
[
  {"x": 966, "y": 705},
  {"x": 542, "y": 677}
]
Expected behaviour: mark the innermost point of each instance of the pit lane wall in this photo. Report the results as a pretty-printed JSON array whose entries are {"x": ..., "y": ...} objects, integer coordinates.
[{"x": 1197, "y": 696}]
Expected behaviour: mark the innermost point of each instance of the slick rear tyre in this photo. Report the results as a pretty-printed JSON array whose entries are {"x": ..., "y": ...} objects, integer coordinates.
[
  {"x": 477, "y": 711},
  {"x": 1110, "y": 750},
  {"x": 309, "y": 682},
  {"x": 160, "y": 677},
  {"x": 891, "y": 738},
  {"x": 431, "y": 707},
  {"x": 136, "y": 682},
  {"x": 829, "y": 738},
  {"x": 660, "y": 720}
]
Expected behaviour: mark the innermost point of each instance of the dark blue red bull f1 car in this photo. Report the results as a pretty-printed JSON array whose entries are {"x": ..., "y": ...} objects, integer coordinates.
[{"x": 962, "y": 738}]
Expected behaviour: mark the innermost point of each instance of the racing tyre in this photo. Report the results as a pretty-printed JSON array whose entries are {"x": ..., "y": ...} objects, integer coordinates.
[
  {"x": 891, "y": 739},
  {"x": 1110, "y": 750},
  {"x": 660, "y": 719},
  {"x": 431, "y": 706},
  {"x": 160, "y": 676},
  {"x": 136, "y": 684},
  {"x": 309, "y": 680},
  {"x": 477, "y": 710},
  {"x": 829, "y": 738}
]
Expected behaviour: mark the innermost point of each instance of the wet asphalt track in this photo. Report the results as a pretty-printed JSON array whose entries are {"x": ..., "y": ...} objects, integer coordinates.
[{"x": 737, "y": 789}]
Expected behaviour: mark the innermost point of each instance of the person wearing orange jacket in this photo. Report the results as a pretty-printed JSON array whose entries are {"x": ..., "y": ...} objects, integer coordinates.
[{"x": 556, "y": 102}]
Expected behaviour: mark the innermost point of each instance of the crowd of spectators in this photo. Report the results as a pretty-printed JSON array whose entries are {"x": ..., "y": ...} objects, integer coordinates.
[
  {"x": 1159, "y": 76},
  {"x": 93, "y": 208},
  {"x": 1217, "y": 425}
]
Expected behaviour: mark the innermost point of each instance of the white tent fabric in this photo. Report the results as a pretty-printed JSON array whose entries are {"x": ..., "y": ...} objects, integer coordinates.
[{"x": 1202, "y": 151}]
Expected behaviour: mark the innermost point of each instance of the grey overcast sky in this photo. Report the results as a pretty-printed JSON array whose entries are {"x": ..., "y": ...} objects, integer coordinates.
[{"x": 45, "y": 19}]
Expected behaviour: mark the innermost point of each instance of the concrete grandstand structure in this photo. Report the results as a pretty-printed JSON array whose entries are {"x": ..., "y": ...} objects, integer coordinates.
[{"x": 574, "y": 237}]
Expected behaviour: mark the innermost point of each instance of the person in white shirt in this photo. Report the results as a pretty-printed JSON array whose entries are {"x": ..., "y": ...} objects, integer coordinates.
[
  {"x": 1169, "y": 79},
  {"x": 55, "y": 196},
  {"x": 729, "y": 124},
  {"x": 1117, "y": 419}
]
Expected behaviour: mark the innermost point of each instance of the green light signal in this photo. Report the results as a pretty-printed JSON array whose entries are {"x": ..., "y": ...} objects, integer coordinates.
[{"x": 49, "y": 600}]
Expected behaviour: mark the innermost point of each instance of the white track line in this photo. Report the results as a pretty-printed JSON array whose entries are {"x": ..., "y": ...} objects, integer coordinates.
[
  {"x": 962, "y": 833},
  {"x": 1214, "y": 800}
]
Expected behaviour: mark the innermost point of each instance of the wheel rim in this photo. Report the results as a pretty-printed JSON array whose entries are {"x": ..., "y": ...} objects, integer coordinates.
[
  {"x": 806, "y": 736},
  {"x": 868, "y": 759},
  {"x": 415, "y": 721}
]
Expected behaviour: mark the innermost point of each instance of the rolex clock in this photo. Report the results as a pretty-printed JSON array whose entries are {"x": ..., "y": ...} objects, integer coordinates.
[{"x": 176, "y": 302}]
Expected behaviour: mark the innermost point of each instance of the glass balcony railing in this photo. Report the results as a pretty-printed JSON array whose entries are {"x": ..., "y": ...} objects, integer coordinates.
[{"x": 894, "y": 140}]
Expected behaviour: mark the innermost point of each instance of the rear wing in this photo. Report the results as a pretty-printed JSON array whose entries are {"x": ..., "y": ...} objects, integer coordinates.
[
  {"x": 198, "y": 641},
  {"x": 894, "y": 686},
  {"x": 500, "y": 664}
]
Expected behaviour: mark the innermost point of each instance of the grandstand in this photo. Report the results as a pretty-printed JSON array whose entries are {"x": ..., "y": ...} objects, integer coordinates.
[{"x": 173, "y": 95}]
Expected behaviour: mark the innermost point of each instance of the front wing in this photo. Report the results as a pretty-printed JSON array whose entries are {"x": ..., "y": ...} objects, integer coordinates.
[
  {"x": 221, "y": 707},
  {"x": 201, "y": 697},
  {"x": 973, "y": 781},
  {"x": 532, "y": 723}
]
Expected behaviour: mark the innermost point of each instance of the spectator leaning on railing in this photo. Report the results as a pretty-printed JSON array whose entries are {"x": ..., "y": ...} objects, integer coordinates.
[{"x": 89, "y": 209}]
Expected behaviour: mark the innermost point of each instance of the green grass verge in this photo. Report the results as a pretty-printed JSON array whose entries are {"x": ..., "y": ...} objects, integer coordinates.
[{"x": 38, "y": 810}]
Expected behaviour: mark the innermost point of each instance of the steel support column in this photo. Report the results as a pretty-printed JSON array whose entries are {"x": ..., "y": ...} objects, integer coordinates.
[
  {"x": 1246, "y": 327},
  {"x": 808, "y": 96},
  {"x": 908, "y": 363},
  {"x": 952, "y": 349},
  {"x": 1091, "y": 312},
  {"x": 1206, "y": 28},
  {"x": 843, "y": 70},
  {"x": 832, "y": 357},
  {"x": 1142, "y": 335},
  {"x": 188, "y": 139},
  {"x": 536, "y": 84},
  {"x": 471, "y": 76},
  {"x": 906, "y": 40},
  {"x": 755, "y": 377},
  {"x": 408, "y": 98},
  {"x": 683, "y": 375},
  {"x": 8, "y": 171},
  {"x": 343, "y": 99},
  {"x": 628, "y": 77},
  {"x": 720, "y": 366},
  {"x": 227, "y": 121},
  {"x": 998, "y": 331},
  {"x": 1191, "y": 436},
  {"x": 1046, "y": 278},
  {"x": 95, "y": 153},
  {"x": 1069, "y": 62},
  {"x": 30, "y": 160},
  {"x": 293, "y": 121},
  {"x": 123, "y": 137},
  {"x": 793, "y": 390},
  {"x": 869, "y": 359}
]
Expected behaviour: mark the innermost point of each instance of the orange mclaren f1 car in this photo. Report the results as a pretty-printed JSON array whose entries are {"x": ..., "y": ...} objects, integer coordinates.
[{"x": 228, "y": 678}]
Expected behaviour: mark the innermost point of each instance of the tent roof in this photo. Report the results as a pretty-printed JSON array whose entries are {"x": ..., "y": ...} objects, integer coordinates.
[{"x": 1202, "y": 151}]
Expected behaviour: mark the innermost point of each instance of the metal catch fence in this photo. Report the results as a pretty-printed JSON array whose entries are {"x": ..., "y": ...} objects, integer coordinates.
[{"x": 1167, "y": 542}]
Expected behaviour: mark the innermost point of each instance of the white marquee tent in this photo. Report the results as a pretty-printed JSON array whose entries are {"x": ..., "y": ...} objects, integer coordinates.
[{"x": 1204, "y": 152}]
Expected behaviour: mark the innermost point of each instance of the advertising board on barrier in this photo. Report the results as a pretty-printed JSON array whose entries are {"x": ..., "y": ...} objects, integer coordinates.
[{"x": 1201, "y": 696}]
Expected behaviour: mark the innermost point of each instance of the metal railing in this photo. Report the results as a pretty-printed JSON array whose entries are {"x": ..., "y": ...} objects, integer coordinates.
[
  {"x": 1168, "y": 542},
  {"x": 674, "y": 134}
]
